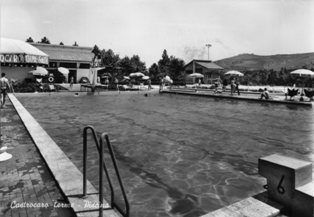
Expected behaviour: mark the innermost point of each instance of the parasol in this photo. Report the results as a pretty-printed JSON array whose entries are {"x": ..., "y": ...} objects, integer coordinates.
[
  {"x": 235, "y": 73},
  {"x": 39, "y": 71}
]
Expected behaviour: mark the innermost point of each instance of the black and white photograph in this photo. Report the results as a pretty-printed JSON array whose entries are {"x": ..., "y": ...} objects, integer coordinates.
[{"x": 156, "y": 108}]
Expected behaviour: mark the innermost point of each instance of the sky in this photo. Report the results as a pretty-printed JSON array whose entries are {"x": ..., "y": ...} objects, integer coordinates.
[{"x": 182, "y": 27}]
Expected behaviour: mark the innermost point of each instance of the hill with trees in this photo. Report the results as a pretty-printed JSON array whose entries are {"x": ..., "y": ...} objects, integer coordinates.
[
  {"x": 270, "y": 70},
  {"x": 252, "y": 62}
]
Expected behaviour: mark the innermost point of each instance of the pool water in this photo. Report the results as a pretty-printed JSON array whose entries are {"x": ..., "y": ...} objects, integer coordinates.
[{"x": 178, "y": 155}]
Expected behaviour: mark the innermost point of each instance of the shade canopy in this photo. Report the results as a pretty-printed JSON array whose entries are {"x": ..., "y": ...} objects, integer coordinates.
[
  {"x": 167, "y": 79},
  {"x": 235, "y": 73},
  {"x": 196, "y": 75},
  {"x": 136, "y": 74},
  {"x": 302, "y": 72},
  {"x": 15, "y": 51},
  {"x": 64, "y": 71},
  {"x": 39, "y": 71}
]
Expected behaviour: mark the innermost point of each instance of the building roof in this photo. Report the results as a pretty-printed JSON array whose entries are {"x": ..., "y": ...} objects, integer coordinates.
[
  {"x": 66, "y": 53},
  {"x": 12, "y": 46},
  {"x": 205, "y": 63}
]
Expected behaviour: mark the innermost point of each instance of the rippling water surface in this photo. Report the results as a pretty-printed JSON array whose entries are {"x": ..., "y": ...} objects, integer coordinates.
[{"x": 178, "y": 155}]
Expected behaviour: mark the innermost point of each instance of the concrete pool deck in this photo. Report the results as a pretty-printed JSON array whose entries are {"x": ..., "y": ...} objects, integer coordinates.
[
  {"x": 25, "y": 178},
  {"x": 246, "y": 96},
  {"x": 70, "y": 181}
]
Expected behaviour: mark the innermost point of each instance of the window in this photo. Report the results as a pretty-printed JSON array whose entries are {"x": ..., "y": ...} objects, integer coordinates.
[
  {"x": 52, "y": 64},
  {"x": 84, "y": 66},
  {"x": 68, "y": 65}
]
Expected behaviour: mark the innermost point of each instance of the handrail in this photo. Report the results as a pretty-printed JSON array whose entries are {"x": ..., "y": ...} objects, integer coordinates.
[
  {"x": 102, "y": 166},
  {"x": 105, "y": 137}
]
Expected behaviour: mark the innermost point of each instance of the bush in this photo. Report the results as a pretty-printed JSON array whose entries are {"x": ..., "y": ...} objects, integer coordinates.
[{"x": 25, "y": 87}]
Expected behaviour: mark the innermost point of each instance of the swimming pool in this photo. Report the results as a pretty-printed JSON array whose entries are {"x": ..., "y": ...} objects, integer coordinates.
[{"x": 178, "y": 155}]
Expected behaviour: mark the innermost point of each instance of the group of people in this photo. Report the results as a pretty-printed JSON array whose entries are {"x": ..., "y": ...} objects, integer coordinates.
[
  {"x": 234, "y": 85},
  {"x": 4, "y": 88}
]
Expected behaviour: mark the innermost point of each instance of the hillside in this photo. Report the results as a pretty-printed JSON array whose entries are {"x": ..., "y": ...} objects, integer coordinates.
[{"x": 251, "y": 62}]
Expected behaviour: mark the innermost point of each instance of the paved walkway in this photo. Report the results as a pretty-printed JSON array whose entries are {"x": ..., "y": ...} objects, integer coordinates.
[{"x": 24, "y": 179}]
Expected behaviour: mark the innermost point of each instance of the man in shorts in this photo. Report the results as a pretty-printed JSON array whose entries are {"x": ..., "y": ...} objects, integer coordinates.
[{"x": 4, "y": 87}]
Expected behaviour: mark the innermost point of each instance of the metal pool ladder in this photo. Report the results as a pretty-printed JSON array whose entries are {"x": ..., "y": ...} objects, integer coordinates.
[{"x": 102, "y": 167}]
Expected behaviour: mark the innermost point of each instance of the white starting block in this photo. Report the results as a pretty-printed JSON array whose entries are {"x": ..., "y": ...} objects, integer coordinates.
[{"x": 289, "y": 182}]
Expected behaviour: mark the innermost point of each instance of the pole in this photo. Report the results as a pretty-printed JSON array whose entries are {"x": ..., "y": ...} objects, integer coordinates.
[{"x": 208, "y": 46}]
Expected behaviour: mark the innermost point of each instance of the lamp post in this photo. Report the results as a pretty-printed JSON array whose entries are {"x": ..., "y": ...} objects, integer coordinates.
[{"x": 208, "y": 46}]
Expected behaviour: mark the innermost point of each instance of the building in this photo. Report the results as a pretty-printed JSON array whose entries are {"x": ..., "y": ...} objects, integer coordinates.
[
  {"x": 210, "y": 70},
  {"x": 77, "y": 59},
  {"x": 18, "y": 58}
]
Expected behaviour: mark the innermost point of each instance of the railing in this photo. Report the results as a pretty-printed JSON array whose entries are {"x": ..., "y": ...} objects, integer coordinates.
[{"x": 102, "y": 167}]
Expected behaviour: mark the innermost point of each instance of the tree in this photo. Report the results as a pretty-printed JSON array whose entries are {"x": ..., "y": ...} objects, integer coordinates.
[
  {"x": 153, "y": 73},
  {"x": 75, "y": 44},
  {"x": 174, "y": 67},
  {"x": 176, "y": 70},
  {"x": 137, "y": 64},
  {"x": 45, "y": 40},
  {"x": 96, "y": 53},
  {"x": 30, "y": 40},
  {"x": 109, "y": 58},
  {"x": 61, "y": 43},
  {"x": 126, "y": 66},
  {"x": 163, "y": 63}
]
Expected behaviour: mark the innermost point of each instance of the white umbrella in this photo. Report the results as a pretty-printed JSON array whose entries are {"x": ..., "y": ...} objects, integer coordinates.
[
  {"x": 137, "y": 74},
  {"x": 39, "y": 71},
  {"x": 167, "y": 79},
  {"x": 196, "y": 75},
  {"x": 126, "y": 77},
  {"x": 233, "y": 72},
  {"x": 64, "y": 71},
  {"x": 301, "y": 72},
  {"x": 145, "y": 77}
]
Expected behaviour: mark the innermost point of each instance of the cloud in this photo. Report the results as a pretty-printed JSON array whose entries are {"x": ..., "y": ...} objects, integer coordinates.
[{"x": 193, "y": 53}]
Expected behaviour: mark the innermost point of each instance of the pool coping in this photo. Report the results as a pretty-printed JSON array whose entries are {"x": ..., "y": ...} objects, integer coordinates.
[
  {"x": 257, "y": 206},
  {"x": 195, "y": 92},
  {"x": 67, "y": 176}
]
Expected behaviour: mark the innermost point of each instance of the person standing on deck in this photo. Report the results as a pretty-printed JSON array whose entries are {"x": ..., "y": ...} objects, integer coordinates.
[
  {"x": 116, "y": 83},
  {"x": 237, "y": 84},
  {"x": 4, "y": 87},
  {"x": 149, "y": 84},
  {"x": 71, "y": 82},
  {"x": 224, "y": 84},
  {"x": 232, "y": 84}
]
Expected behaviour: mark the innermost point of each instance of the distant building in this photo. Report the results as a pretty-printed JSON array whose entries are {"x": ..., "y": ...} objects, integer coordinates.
[
  {"x": 77, "y": 59},
  {"x": 210, "y": 70}
]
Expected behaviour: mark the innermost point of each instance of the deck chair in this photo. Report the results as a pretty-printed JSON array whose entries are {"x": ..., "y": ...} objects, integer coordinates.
[
  {"x": 309, "y": 94},
  {"x": 292, "y": 92},
  {"x": 218, "y": 89},
  {"x": 141, "y": 86},
  {"x": 51, "y": 88}
]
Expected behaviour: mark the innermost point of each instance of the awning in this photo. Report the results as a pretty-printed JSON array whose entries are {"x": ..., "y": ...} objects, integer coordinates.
[{"x": 15, "y": 51}]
